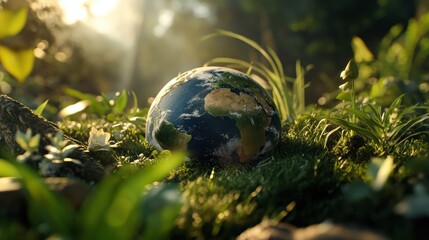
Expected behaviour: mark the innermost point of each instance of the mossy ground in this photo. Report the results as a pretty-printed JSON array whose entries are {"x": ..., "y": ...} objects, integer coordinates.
[{"x": 306, "y": 181}]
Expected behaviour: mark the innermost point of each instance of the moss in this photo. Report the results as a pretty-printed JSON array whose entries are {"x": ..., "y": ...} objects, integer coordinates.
[
  {"x": 302, "y": 171},
  {"x": 299, "y": 172},
  {"x": 128, "y": 141},
  {"x": 354, "y": 148},
  {"x": 306, "y": 181}
]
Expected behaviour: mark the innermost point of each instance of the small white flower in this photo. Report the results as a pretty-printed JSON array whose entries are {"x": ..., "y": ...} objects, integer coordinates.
[{"x": 98, "y": 140}]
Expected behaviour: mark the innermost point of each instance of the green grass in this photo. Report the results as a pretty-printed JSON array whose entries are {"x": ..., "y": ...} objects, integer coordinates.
[
  {"x": 326, "y": 167},
  {"x": 305, "y": 182},
  {"x": 250, "y": 193},
  {"x": 287, "y": 92}
]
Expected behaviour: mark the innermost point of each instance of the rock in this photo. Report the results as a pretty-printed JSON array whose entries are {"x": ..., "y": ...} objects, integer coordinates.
[
  {"x": 15, "y": 116},
  {"x": 269, "y": 230},
  {"x": 335, "y": 231},
  {"x": 72, "y": 190},
  {"x": 13, "y": 201}
]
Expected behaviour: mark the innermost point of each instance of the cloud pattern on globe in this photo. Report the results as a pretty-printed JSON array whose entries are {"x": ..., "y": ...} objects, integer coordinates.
[{"x": 216, "y": 114}]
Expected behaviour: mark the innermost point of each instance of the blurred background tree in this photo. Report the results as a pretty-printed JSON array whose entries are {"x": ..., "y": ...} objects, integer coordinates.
[{"x": 103, "y": 46}]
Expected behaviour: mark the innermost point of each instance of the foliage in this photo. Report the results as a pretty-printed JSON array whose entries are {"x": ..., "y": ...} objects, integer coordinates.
[
  {"x": 45, "y": 207},
  {"x": 399, "y": 65},
  {"x": 57, "y": 153},
  {"x": 127, "y": 143},
  {"x": 117, "y": 121},
  {"x": 18, "y": 62},
  {"x": 386, "y": 128},
  {"x": 305, "y": 181},
  {"x": 115, "y": 108},
  {"x": 290, "y": 101},
  {"x": 377, "y": 174},
  {"x": 389, "y": 128},
  {"x": 350, "y": 73},
  {"x": 104, "y": 214},
  {"x": 30, "y": 145},
  {"x": 40, "y": 108},
  {"x": 302, "y": 183}
]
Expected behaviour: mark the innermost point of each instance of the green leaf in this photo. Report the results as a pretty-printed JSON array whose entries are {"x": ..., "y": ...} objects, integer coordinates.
[
  {"x": 21, "y": 140},
  {"x": 33, "y": 144},
  {"x": 366, "y": 119},
  {"x": 40, "y": 108},
  {"x": 121, "y": 102},
  {"x": 361, "y": 51},
  {"x": 112, "y": 211},
  {"x": 19, "y": 63},
  {"x": 95, "y": 104},
  {"x": 159, "y": 209},
  {"x": 379, "y": 170},
  {"x": 8, "y": 169},
  {"x": 273, "y": 73},
  {"x": 135, "y": 102},
  {"x": 12, "y": 21},
  {"x": 344, "y": 96},
  {"x": 78, "y": 94},
  {"x": 45, "y": 208},
  {"x": 74, "y": 108},
  {"x": 368, "y": 133}
]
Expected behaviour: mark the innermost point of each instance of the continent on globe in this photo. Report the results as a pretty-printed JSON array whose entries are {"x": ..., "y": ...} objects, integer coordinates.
[
  {"x": 171, "y": 138},
  {"x": 216, "y": 114},
  {"x": 247, "y": 113}
]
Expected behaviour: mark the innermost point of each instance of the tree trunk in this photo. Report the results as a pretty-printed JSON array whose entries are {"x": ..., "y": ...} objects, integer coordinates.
[{"x": 14, "y": 117}]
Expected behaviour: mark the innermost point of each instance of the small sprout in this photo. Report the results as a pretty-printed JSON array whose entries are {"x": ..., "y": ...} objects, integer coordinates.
[
  {"x": 58, "y": 141},
  {"x": 98, "y": 140},
  {"x": 351, "y": 72},
  {"x": 39, "y": 109},
  {"x": 30, "y": 144},
  {"x": 27, "y": 141},
  {"x": 58, "y": 153}
]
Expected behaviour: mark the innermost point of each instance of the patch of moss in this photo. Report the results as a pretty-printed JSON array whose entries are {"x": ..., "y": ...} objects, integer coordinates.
[
  {"x": 354, "y": 148},
  {"x": 127, "y": 138},
  {"x": 306, "y": 181},
  {"x": 299, "y": 173}
]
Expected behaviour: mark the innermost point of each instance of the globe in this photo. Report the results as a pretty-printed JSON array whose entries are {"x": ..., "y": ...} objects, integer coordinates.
[{"x": 215, "y": 114}]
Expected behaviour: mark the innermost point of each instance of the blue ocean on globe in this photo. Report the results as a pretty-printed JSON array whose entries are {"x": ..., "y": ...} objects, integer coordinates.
[{"x": 215, "y": 114}]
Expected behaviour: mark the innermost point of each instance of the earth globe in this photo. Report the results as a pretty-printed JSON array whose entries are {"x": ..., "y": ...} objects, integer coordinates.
[{"x": 215, "y": 114}]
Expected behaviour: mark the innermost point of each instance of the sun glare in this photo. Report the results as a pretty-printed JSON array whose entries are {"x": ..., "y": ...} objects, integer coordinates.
[
  {"x": 73, "y": 11},
  {"x": 81, "y": 10},
  {"x": 165, "y": 19},
  {"x": 102, "y": 7}
]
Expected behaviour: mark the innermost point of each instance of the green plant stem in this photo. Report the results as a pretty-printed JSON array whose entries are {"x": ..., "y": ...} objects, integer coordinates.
[{"x": 353, "y": 100}]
